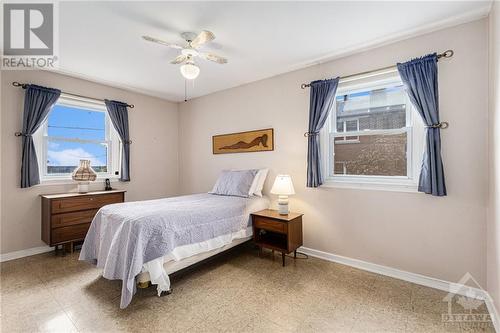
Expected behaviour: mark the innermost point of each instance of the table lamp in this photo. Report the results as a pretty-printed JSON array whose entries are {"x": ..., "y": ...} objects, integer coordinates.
[
  {"x": 283, "y": 187},
  {"x": 83, "y": 175}
]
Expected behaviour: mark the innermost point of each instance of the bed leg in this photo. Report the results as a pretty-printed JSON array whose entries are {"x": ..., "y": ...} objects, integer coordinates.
[
  {"x": 166, "y": 293},
  {"x": 143, "y": 285}
]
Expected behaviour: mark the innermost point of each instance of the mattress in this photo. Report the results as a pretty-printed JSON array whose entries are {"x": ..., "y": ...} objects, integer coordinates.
[
  {"x": 156, "y": 271},
  {"x": 172, "y": 266},
  {"x": 124, "y": 238}
]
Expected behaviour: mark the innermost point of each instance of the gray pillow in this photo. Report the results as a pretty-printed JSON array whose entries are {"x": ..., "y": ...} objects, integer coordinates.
[{"x": 234, "y": 183}]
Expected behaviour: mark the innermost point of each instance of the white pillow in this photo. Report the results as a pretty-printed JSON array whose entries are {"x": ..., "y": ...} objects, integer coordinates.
[
  {"x": 259, "y": 180},
  {"x": 255, "y": 182}
]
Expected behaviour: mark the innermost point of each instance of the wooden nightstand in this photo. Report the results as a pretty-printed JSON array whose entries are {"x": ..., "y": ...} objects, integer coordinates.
[{"x": 277, "y": 232}]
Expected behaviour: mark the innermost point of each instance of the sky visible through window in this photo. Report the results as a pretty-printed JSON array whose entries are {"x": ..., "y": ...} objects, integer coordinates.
[{"x": 67, "y": 122}]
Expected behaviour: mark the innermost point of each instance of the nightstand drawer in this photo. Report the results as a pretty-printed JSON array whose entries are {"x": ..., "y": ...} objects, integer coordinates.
[
  {"x": 67, "y": 219},
  {"x": 269, "y": 224},
  {"x": 71, "y": 233}
]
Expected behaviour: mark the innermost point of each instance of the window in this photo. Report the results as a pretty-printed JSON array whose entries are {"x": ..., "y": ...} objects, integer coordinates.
[
  {"x": 77, "y": 129},
  {"x": 373, "y": 137}
]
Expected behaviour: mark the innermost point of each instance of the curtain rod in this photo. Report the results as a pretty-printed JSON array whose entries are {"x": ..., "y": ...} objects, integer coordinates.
[
  {"x": 25, "y": 85},
  {"x": 445, "y": 54}
]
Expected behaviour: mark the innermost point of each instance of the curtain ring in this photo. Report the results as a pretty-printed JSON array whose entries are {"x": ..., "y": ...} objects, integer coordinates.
[
  {"x": 444, "y": 124},
  {"x": 18, "y": 134}
]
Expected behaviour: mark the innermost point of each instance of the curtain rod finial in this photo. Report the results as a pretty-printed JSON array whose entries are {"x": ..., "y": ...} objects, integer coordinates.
[
  {"x": 446, "y": 54},
  {"x": 17, "y": 84}
]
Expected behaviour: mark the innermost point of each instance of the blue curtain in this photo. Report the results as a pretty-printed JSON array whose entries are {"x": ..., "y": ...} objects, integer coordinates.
[
  {"x": 37, "y": 104},
  {"x": 119, "y": 117},
  {"x": 321, "y": 101},
  {"x": 420, "y": 78}
]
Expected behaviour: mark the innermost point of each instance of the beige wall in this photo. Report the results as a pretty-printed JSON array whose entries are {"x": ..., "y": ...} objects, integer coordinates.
[
  {"x": 154, "y": 153},
  {"x": 439, "y": 237},
  {"x": 493, "y": 231}
]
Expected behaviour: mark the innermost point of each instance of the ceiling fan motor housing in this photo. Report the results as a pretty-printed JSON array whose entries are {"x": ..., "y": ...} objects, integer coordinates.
[
  {"x": 188, "y": 36},
  {"x": 189, "y": 52}
]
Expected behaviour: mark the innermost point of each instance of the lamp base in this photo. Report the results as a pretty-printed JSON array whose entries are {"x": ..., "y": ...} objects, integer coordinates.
[
  {"x": 83, "y": 187},
  {"x": 283, "y": 205}
]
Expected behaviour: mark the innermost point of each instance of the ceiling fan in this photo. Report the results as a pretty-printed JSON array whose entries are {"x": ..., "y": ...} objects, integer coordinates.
[{"x": 189, "y": 69}]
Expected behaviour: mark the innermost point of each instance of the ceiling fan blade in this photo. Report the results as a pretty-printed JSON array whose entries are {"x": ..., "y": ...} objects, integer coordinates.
[
  {"x": 159, "y": 41},
  {"x": 213, "y": 57},
  {"x": 204, "y": 37},
  {"x": 179, "y": 59}
]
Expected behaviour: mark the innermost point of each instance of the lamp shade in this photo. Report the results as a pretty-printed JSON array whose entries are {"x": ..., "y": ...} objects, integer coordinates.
[
  {"x": 283, "y": 185},
  {"x": 84, "y": 172}
]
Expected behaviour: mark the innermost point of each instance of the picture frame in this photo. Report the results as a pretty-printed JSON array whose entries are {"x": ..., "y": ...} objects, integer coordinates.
[{"x": 243, "y": 142}]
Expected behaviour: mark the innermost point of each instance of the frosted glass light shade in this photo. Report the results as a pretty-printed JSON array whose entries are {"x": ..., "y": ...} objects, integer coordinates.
[
  {"x": 190, "y": 71},
  {"x": 283, "y": 185}
]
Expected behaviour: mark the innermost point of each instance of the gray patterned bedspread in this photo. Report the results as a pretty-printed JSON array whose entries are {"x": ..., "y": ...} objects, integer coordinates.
[{"x": 124, "y": 236}]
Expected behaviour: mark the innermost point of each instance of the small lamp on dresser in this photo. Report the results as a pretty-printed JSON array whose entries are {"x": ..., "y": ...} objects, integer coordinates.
[
  {"x": 283, "y": 187},
  {"x": 83, "y": 175}
]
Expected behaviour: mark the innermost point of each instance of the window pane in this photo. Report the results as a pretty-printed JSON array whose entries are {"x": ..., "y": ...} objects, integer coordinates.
[
  {"x": 374, "y": 155},
  {"x": 351, "y": 125},
  {"x": 340, "y": 126},
  {"x": 76, "y": 123},
  {"x": 64, "y": 156},
  {"x": 374, "y": 109}
]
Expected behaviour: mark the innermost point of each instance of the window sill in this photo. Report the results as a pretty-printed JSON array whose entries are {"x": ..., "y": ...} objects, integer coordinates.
[
  {"x": 69, "y": 181},
  {"x": 374, "y": 186}
]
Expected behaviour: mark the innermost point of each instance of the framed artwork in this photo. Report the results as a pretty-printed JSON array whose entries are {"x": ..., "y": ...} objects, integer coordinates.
[{"x": 243, "y": 142}]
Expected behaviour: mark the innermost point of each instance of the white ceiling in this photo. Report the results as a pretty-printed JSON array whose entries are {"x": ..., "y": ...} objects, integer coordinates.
[{"x": 102, "y": 40}]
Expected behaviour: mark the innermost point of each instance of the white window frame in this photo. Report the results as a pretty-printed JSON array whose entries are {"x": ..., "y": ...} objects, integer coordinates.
[
  {"x": 112, "y": 139},
  {"x": 415, "y": 141}
]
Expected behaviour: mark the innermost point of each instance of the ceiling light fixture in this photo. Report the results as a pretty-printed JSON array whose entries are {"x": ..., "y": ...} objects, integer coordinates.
[{"x": 190, "y": 71}]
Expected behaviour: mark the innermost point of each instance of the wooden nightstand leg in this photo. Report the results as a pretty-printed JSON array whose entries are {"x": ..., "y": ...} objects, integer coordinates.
[
  {"x": 283, "y": 258},
  {"x": 295, "y": 254},
  {"x": 260, "y": 251}
]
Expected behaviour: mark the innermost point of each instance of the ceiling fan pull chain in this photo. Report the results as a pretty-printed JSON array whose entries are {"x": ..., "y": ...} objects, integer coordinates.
[{"x": 185, "y": 90}]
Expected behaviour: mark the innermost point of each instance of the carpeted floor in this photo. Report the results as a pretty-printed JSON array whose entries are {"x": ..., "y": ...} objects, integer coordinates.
[{"x": 237, "y": 292}]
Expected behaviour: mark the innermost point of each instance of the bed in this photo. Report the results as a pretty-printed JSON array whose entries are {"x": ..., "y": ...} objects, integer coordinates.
[{"x": 147, "y": 240}]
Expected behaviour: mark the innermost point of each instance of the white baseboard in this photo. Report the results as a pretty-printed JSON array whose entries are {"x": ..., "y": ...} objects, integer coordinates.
[
  {"x": 452, "y": 287},
  {"x": 24, "y": 253}
]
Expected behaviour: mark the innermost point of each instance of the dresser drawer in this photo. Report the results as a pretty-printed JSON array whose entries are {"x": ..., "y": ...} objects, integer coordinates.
[
  {"x": 269, "y": 224},
  {"x": 84, "y": 202},
  {"x": 67, "y": 219},
  {"x": 71, "y": 233}
]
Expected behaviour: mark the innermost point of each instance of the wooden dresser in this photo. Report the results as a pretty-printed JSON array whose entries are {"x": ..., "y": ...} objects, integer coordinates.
[{"x": 66, "y": 217}]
